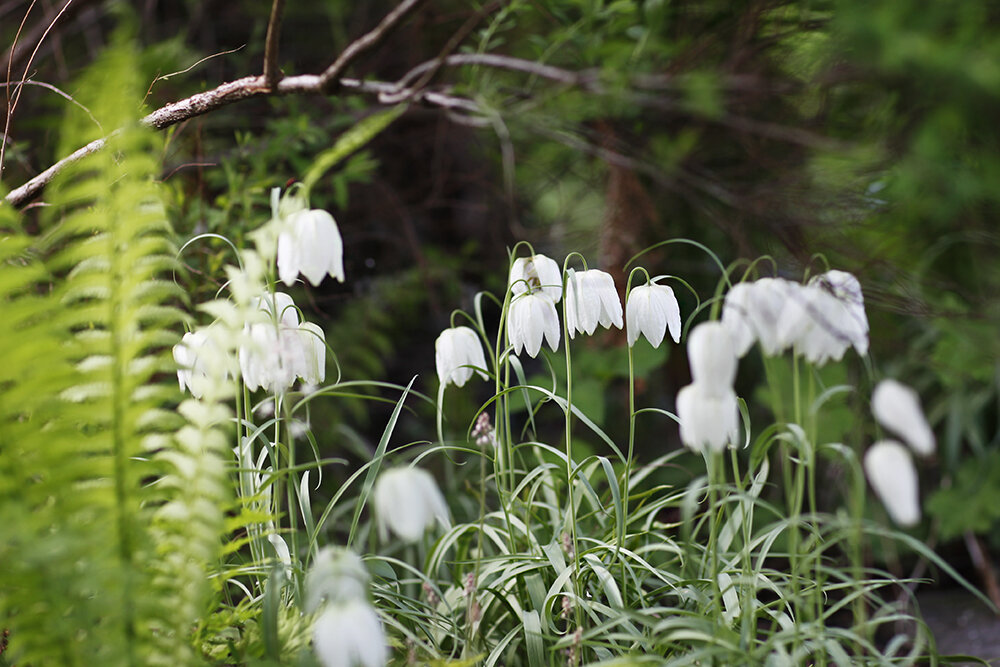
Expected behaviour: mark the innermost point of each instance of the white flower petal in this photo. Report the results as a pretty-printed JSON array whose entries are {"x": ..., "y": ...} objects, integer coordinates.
[
  {"x": 407, "y": 501},
  {"x": 891, "y": 473},
  {"x": 708, "y": 418},
  {"x": 897, "y": 409},
  {"x": 711, "y": 356},
  {"x": 650, "y": 311},
  {"x": 350, "y": 635}
]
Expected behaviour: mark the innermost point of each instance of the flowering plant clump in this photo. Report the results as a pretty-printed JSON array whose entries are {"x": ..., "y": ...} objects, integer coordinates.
[{"x": 550, "y": 548}]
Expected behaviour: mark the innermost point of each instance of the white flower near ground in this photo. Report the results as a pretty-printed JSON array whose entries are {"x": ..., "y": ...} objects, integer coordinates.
[
  {"x": 824, "y": 318},
  {"x": 531, "y": 318},
  {"x": 337, "y": 575},
  {"x": 711, "y": 356},
  {"x": 310, "y": 244},
  {"x": 591, "y": 299},
  {"x": 709, "y": 418},
  {"x": 891, "y": 472},
  {"x": 456, "y": 351},
  {"x": 278, "y": 349},
  {"x": 407, "y": 502},
  {"x": 201, "y": 361},
  {"x": 347, "y": 632},
  {"x": 897, "y": 409},
  {"x": 536, "y": 273},
  {"x": 350, "y": 635},
  {"x": 752, "y": 311},
  {"x": 650, "y": 310}
]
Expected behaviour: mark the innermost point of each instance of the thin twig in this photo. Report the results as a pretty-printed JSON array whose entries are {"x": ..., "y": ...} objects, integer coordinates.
[
  {"x": 271, "y": 43},
  {"x": 560, "y": 75},
  {"x": 49, "y": 86},
  {"x": 366, "y": 42},
  {"x": 436, "y": 64}
]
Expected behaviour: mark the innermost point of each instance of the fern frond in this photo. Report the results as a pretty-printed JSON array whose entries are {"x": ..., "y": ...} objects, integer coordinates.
[{"x": 110, "y": 498}]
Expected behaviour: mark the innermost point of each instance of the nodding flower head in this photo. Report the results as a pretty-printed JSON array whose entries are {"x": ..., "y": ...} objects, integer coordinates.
[
  {"x": 534, "y": 274},
  {"x": 652, "y": 309}
]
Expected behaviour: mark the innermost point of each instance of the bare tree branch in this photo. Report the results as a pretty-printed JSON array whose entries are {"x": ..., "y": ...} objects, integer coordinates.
[
  {"x": 271, "y": 71},
  {"x": 227, "y": 93},
  {"x": 367, "y": 42}
]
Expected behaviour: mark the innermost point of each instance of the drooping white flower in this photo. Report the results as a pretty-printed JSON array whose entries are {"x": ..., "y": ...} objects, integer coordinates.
[
  {"x": 201, "y": 361},
  {"x": 891, "y": 473},
  {"x": 277, "y": 349},
  {"x": 751, "y": 313},
  {"x": 347, "y": 632},
  {"x": 591, "y": 299},
  {"x": 310, "y": 244},
  {"x": 337, "y": 575},
  {"x": 455, "y": 351},
  {"x": 532, "y": 317},
  {"x": 709, "y": 418},
  {"x": 407, "y": 501},
  {"x": 825, "y": 317},
  {"x": 897, "y": 409},
  {"x": 736, "y": 317},
  {"x": 538, "y": 272},
  {"x": 350, "y": 634},
  {"x": 649, "y": 311},
  {"x": 711, "y": 356}
]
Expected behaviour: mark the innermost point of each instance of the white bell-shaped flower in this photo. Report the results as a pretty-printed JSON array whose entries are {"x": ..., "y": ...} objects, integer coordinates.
[
  {"x": 532, "y": 317},
  {"x": 752, "y": 311},
  {"x": 822, "y": 319},
  {"x": 736, "y": 317},
  {"x": 652, "y": 309},
  {"x": 407, "y": 501},
  {"x": 709, "y": 418},
  {"x": 538, "y": 272},
  {"x": 350, "y": 634},
  {"x": 201, "y": 361},
  {"x": 711, "y": 356},
  {"x": 347, "y": 632},
  {"x": 337, "y": 575},
  {"x": 591, "y": 299},
  {"x": 277, "y": 349},
  {"x": 897, "y": 409},
  {"x": 313, "y": 363},
  {"x": 891, "y": 472},
  {"x": 310, "y": 244},
  {"x": 458, "y": 353}
]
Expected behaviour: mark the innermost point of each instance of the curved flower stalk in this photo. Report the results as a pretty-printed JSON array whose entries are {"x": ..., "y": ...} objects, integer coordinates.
[
  {"x": 650, "y": 310},
  {"x": 591, "y": 299},
  {"x": 458, "y": 354},
  {"x": 278, "y": 349},
  {"x": 707, "y": 408},
  {"x": 824, "y": 318},
  {"x": 347, "y": 632},
  {"x": 532, "y": 317},
  {"x": 310, "y": 244},
  {"x": 890, "y": 470},
  {"x": 536, "y": 273},
  {"x": 897, "y": 409},
  {"x": 407, "y": 501}
]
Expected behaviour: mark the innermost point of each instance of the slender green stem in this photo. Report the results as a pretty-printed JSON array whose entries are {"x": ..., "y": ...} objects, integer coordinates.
[
  {"x": 577, "y": 612},
  {"x": 628, "y": 463}
]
